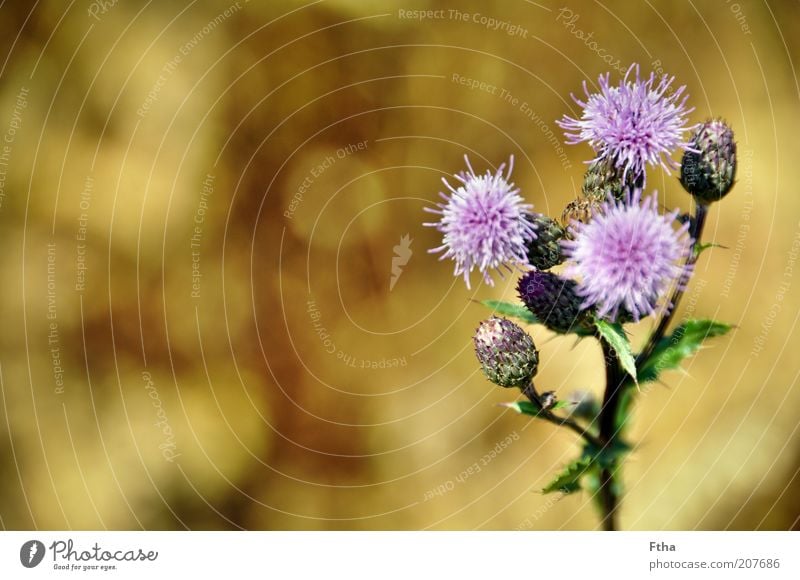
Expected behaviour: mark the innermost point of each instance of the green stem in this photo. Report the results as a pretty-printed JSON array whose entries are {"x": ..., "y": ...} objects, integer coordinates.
[
  {"x": 608, "y": 432},
  {"x": 609, "y": 499}
]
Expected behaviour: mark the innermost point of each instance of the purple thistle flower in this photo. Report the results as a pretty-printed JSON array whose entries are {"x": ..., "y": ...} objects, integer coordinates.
[
  {"x": 485, "y": 223},
  {"x": 628, "y": 256},
  {"x": 633, "y": 124}
]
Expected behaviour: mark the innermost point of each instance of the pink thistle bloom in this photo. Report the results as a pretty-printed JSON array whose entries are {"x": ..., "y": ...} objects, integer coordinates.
[
  {"x": 633, "y": 124},
  {"x": 485, "y": 222},
  {"x": 628, "y": 257}
]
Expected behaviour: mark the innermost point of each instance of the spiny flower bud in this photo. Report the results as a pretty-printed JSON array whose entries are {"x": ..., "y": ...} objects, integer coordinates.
[
  {"x": 553, "y": 300},
  {"x": 545, "y": 251},
  {"x": 507, "y": 354},
  {"x": 708, "y": 174},
  {"x": 603, "y": 179},
  {"x": 579, "y": 210}
]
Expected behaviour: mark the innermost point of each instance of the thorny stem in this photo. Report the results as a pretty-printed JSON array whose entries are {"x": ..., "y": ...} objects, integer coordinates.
[
  {"x": 615, "y": 384},
  {"x": 608, "y": 431}
]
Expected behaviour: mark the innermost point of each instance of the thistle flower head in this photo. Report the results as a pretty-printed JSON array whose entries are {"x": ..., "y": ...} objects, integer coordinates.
[
  {"x": 485, "y": 223},
  {"x": 633, "y": 124},
  {"x": 553, "y": 300},
  {"x": 507, "y": 354},
  {"x": 708, "y": 172},
  {"x": 627, "y": 257},
  {"x": 544, "y": 252}
]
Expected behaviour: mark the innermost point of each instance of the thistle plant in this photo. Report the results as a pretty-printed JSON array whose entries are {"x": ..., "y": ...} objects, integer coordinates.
[{"x": 622, "y": 259}]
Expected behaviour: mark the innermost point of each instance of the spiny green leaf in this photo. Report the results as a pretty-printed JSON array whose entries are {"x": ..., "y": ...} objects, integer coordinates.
[
  {"x": 569, "y": 480},
  {"x": 683, "y": 343},
  {"x": 528, "y": 408},
  {"x": 512, "y": 310},
  {"x": 591, "y": 461},
  {"x": 615, "y": 336}
]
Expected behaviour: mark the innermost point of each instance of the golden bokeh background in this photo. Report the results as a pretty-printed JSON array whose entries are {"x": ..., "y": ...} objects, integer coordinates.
[{"x": 199, "y": 209}]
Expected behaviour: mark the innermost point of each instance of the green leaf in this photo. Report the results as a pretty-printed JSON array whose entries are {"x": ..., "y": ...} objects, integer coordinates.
[
  {"x": 589, "y": 465},
  {"x": 560, "y": 405},
  {"x": 700, "y": 248},
  {"x": 683, "y": 343},
  {"x": 512, "y": 310},
  {"x": 615, "y": 336},
  {"x": 569, "y": 480},
  {"x": 528, "y": 408},
  {"x": 522, "y": 407}
]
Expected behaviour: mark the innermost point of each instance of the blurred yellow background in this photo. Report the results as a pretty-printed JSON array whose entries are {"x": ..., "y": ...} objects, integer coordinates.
[{"x": 199, "y": 207}]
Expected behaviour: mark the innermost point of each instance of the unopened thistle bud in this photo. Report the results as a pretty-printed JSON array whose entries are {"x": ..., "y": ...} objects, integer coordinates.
[
  {"x": 545, "y": 251},
  {"x": 554, "y": 301},
  {"x": 708, "y": 174},
  {"x": 603, "y": 179},
  {"x": 579, "y": 210},
  {"x": 507, "y": 354}
]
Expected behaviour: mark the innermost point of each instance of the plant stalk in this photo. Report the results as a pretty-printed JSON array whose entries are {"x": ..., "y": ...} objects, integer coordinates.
[
  {"x": 608, "y": 431},
  {"x": 615, "y": 381}
]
